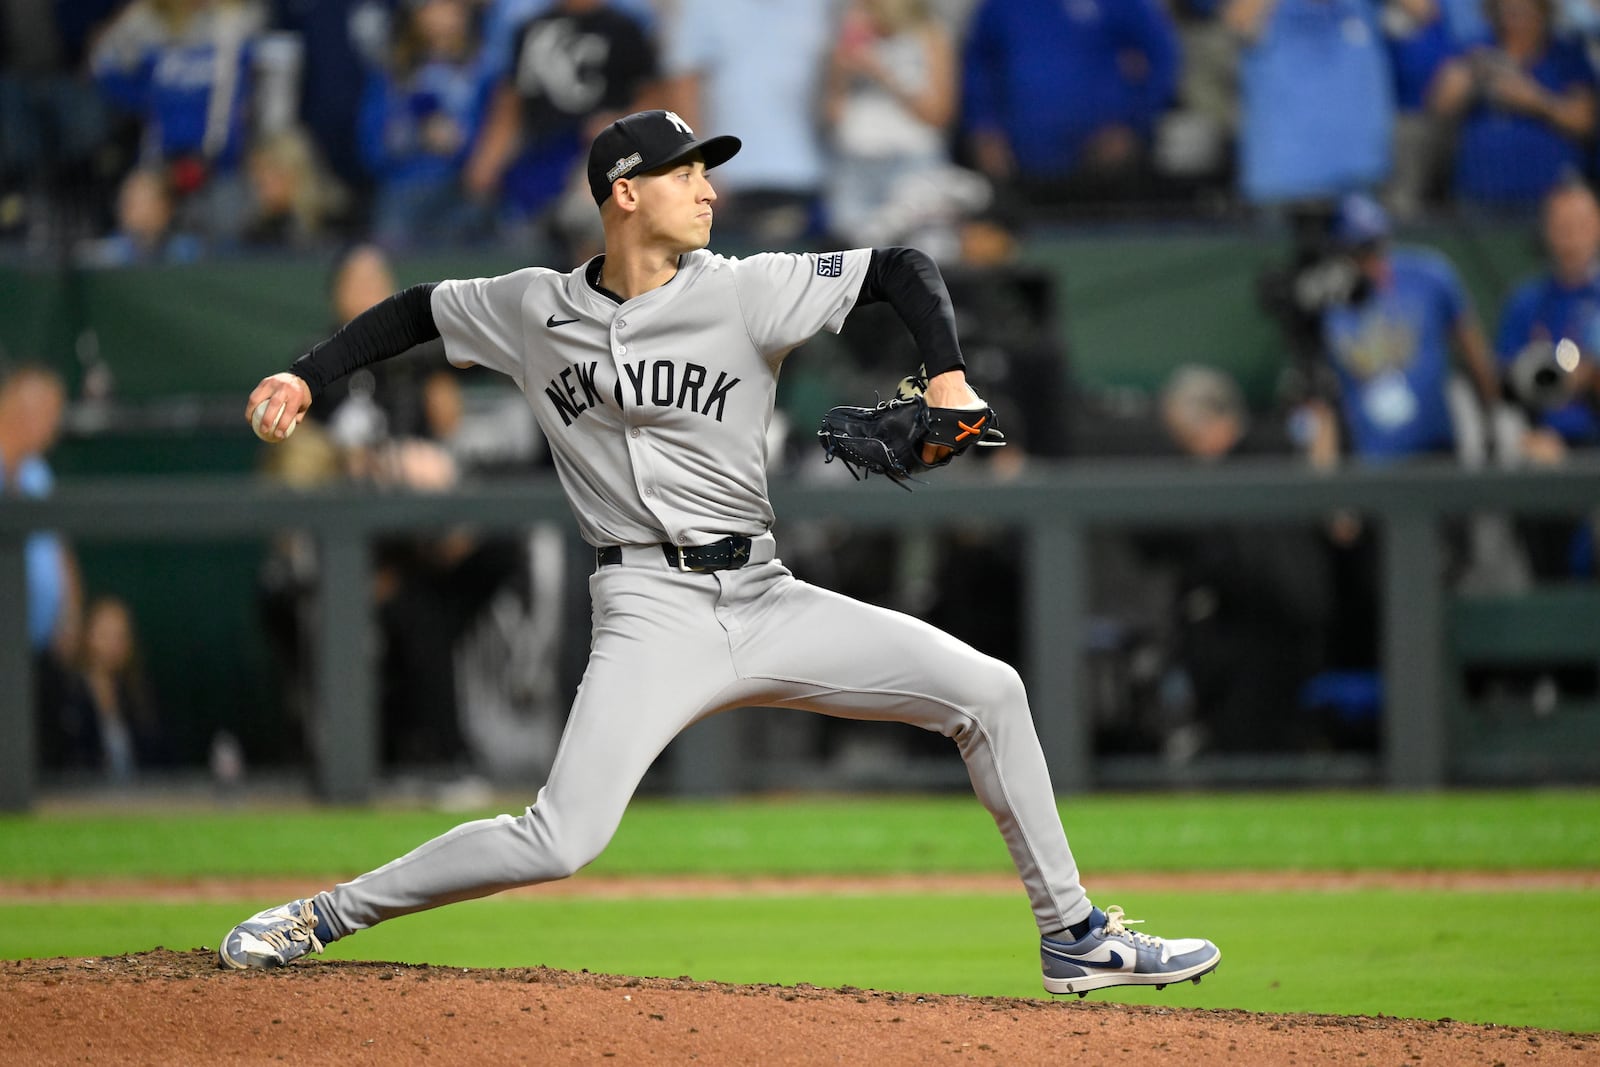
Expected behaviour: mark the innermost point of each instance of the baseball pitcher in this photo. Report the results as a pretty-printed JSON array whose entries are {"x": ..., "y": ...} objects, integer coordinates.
[{"x": 652, "y": 370}]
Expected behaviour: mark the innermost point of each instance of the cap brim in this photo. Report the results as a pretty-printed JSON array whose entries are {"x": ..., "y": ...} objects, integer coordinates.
[{"x": 714, "y": 150}]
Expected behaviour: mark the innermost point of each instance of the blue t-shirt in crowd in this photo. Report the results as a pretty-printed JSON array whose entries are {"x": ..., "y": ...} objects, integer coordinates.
[
  {"x": 1318, "y": 102},
  {"x": 1505, "y": 157},
  {"x": 172, "y": 85},
  {"x": 1545, "y": 310},
  {"x": 1048, "y": 74},
  {"x": 1392, "y": 356},
  {"x": 396, "y": 114},
  {"x": 42, "y": 555}
]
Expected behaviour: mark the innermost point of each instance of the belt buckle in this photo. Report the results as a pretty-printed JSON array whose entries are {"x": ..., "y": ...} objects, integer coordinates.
[{"x": 683, "y": 563}]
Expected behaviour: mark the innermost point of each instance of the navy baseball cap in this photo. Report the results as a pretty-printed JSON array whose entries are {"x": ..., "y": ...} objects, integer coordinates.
[
  {"x": 1360, "y": 220},
  {"x": 645, "y": 141}
]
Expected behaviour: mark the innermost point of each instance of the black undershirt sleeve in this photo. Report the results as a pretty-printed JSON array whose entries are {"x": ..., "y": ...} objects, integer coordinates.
[
  {"x": 908, "y": 280},
  {"x": 387, "y": 329}
]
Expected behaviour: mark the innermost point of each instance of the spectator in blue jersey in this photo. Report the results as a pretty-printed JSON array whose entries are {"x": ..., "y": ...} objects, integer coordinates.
[
  {"x": 184, "y": 67},
  {"x": 1548, "y": 343},
  {"x": 420, "y": 118},
  {"x": 1053, "y": 91},
  {"x": 574, "y": 68},
  {"x": 1396, "y": 339},
  {"x": 1526, "y": 104},
  {"x": 1317, "y": 98}
]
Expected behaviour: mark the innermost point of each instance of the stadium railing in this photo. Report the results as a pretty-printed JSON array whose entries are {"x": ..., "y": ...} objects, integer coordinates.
[{"x": 1054, "y": 506}]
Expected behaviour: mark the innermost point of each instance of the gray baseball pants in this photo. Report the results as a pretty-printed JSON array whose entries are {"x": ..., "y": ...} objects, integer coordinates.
[{"x": 669, "y": 649}]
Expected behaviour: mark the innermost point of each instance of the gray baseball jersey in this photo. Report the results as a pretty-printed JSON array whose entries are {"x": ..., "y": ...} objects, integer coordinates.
[{"x": 656, "y": 410}]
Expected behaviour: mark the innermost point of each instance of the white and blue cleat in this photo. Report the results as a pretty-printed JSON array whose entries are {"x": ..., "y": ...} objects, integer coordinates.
[
  {"x": 1112, "y": 955},
  {"x": 271, "y": 938}
]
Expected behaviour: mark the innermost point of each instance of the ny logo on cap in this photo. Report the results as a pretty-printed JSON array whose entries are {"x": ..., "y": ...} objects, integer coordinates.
[{"x": 682, "y": 127}]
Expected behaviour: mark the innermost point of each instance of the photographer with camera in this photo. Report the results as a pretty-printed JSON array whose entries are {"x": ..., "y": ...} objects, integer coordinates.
[
  {"x": 1549, "y": 335},
  {"x": 1547, "y": 344},
  {"x": 1394, "y": 337},
  {"x": 1389, "y": 336}
]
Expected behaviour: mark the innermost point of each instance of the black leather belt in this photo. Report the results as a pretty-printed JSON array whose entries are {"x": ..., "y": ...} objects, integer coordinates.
[{"x": 728, "y": 554}]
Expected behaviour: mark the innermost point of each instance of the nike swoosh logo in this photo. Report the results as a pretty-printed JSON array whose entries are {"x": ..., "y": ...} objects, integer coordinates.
[
  {"x": 553, "y": 322},
  {"x": 1113, "y": 964},
  {"x": 1112, "y": 960}
]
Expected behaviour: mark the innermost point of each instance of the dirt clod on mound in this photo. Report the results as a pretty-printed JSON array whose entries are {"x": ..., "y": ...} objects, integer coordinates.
[{"x": 177, "y": 1007}]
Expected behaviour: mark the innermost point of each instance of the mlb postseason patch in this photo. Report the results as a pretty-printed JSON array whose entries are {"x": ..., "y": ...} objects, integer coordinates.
[
  {"x": 830, "y": 265},
  {"x": 623, "y": 166}
]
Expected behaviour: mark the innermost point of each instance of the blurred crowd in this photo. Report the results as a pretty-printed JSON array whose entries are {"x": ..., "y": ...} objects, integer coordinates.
[{"x": 167, "y": 130}]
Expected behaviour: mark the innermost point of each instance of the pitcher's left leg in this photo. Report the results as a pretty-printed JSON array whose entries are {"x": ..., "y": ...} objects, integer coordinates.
[
  {"x": 799, "y": 646},
  {"x": 809, "y": 648}
]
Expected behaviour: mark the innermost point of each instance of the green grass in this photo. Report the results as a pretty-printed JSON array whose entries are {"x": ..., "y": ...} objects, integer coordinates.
[
  {"x": 1369, "y": 953},
  {"x": 1304, "y": 831},
  {"x": 1422, "y": 954}
]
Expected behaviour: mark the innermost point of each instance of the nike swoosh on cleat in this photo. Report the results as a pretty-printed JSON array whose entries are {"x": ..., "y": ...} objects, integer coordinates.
[
  {"x": 1112, "y": 961},
  {"x": 553, "y": 322},
  {"x": 1113, "y": 964}
]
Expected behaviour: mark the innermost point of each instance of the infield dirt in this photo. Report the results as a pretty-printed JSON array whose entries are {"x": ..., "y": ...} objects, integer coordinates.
[{"x": 163, "y": 1007}]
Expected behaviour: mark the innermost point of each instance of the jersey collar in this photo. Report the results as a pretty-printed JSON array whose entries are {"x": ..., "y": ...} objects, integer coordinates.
[
  {"x": 591, "y": 275},
  {"x": 688, "y": 263}
]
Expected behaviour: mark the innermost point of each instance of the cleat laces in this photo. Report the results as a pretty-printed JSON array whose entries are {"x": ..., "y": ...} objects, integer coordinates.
[
  {"x": 300, "y": 926},
  {"x": 1117, "y": 926}
]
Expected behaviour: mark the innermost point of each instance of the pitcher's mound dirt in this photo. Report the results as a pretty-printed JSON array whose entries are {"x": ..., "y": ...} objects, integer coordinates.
[{"x": 176, "y": 1007}]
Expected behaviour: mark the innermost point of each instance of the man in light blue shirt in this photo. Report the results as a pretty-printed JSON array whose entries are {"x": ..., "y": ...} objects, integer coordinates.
[
  {"x": 31, "y": 404},
  {"x": 1317, "y": 95},
  {"x": 755, "y": 66}
]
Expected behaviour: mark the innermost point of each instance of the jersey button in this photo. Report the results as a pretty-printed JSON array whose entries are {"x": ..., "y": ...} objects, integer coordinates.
[
  {"x": 622, "y": 350},
  {"x": 648, "y": 491},
  {"x": 622, "y": 324},
  {"x": 683, "y": 539},
  {"x": 634, "y": 432}
]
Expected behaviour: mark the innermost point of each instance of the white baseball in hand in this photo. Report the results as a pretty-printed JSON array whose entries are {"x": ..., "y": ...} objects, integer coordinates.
[{"x": 265, "y": 432}]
